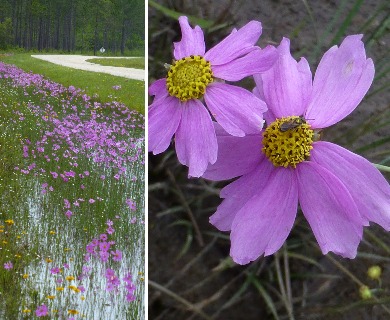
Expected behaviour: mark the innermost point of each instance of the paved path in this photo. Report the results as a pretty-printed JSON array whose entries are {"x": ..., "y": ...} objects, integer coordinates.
[{"x": 79, "y": 62}]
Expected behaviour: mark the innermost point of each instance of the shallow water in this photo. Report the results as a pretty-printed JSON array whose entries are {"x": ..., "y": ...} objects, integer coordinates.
[{"x": 72, "y": 174}]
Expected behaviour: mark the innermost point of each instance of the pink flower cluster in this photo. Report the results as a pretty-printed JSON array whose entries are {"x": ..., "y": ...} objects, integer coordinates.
[
  {"x": 100, "y": 247},
  {"x": 220, "y": 135}
]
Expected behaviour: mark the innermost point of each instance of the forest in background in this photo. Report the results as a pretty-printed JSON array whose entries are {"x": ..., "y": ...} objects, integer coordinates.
[{"x": 73, "y": 25}]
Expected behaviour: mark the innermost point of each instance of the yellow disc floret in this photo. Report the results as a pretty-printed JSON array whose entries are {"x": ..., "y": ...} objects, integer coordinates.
[
  {"x": 188, "y": 78},
  {"x": 288, "y": 141}
]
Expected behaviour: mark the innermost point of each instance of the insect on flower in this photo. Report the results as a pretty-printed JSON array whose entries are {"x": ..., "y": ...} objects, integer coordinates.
[{"x": 292, "y": 124}]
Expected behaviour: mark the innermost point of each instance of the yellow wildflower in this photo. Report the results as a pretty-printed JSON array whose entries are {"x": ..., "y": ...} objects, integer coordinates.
[
  {"x": 25, "y": 276},
  {"x": 73, "y": 311},
  {"x": 74, "y": 288}
]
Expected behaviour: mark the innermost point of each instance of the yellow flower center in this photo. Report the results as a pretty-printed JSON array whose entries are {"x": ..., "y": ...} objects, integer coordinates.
[
  {"x": 188, "y": 78},
  {"x": 288, "y": 141}
]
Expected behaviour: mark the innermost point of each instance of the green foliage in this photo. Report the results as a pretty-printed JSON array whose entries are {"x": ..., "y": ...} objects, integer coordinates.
[
  {"x": 5, "y": 33},
  {"x": 97, "y": 85},
  {"x": 137, "y": 63},
  {"x": 82, "y": 25}
]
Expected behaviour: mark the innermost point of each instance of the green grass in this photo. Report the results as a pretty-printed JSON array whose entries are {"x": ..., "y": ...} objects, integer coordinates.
[
  {"x": 97, "y": 85},
  {"x": 136, "y": 63}
]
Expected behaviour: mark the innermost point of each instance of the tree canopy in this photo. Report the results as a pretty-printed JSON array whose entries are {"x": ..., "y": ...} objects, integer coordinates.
[{"x": 70, "y": 25}]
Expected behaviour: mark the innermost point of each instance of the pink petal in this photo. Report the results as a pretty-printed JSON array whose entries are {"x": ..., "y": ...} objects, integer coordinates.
[
  {"x": 236, "y": 155},
  {"x": 265, "y": 221},
  {"x": 258, "y": 89},
  {"x": 269, "y": 117},
  {"x": 368, "y": 187},
  {"x": 235, "y": 45},
  {"x": 163, "y": 120},
  {"x": 329, "y": 209},
  {"x": 192, "y": 41},
  {"x": 237, "y": 110},
  {"x": 254, "y": 62},
  {"x": 287, "y": 86},
  {"x": 158, "y": 87},
  {"x": 343, "y": 77},
  {"x": 238, "y": 193},
  {"x": 196, "y": 143}
]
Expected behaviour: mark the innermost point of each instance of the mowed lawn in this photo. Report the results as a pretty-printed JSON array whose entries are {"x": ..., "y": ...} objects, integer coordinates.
[
  {"x": 97, "y": 85},
  {"x": 136, "y": 63}
]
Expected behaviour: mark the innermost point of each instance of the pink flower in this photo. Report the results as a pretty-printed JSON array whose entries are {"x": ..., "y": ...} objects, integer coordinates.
[
  {"x": 116, "y": 255},
  {"x": 104, "y": 255},
  {"x": 68, "y": 214},
  {"x": 104, "y": 246},
  {"x": 41, "y": 311},
  {"x": 130, "y": 297},
  {"x": 90, "y": 248},
  {"x": 339, "y": 192},
  {"x": 128, "y": 278},
  {"x": 8, "y": 265},
  {"x": 109, "y": 273},
  {"x": 55, "y": 270},
  {"x": 131, "y": 204},
  {"x": 178, "y": 107}
]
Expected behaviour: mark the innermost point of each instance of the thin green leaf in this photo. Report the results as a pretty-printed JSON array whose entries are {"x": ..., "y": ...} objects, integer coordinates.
[
  {"x": 305, "y": 258},
  {"x": 204, "y": 24},
  {"x": 379, "y": 31},
  {"x": 382, "y": 168},
  {"x": 373, "y": 145},
  {"x": 328, "y": 29},
  {"x": 267, "y": 298},
  {"x": 347, "y": 21}
]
